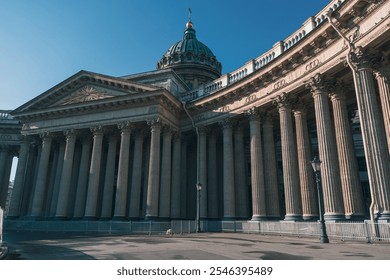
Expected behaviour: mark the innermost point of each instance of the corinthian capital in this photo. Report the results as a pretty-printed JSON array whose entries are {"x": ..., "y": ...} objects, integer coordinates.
[
  {"x": 316, "y": 84},
  {"x": 362, "y": 58},
  {"x": 282, "y": 101},
  {"x": 154, "y": 123},
  {"x": 254, "y": 113}
]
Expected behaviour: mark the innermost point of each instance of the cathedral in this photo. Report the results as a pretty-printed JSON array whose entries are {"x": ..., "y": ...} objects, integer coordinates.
[{"x": 186, "y": 142}]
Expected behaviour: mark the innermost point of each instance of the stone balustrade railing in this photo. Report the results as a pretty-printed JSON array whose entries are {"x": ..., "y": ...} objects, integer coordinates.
[
  {"x": 4, "y": 115},
  {"x": 265, "y": 58}
]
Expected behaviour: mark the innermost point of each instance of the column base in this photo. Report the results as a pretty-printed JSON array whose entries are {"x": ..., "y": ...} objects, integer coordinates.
[
  {"x": 229, "y": 219},
  {"x": 334, "y": 217},
  {"x": 385, "y": 216},
  {"x": 292, "y": 218},
  {"x": 355, "y": 217},
  {"x": 308, "y": 218},
  {"x": 151, "y": 218},
  {"x": 257, "y": 218}
]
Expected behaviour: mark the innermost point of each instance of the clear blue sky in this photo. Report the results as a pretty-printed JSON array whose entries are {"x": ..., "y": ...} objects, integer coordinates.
[{"x": 43, "y": 42}]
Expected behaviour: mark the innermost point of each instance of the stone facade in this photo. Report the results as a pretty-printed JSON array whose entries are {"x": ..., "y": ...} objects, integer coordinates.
[{"x": 101, "y": 147}]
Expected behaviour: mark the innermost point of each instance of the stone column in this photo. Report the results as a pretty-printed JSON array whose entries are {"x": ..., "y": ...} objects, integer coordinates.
[
  {"x": 373, "y": 132},
  {"x": 308, "y": 187},
  {"x": 152, "y": 199},
  {"x": 183, "y": 180},
  {"x": 57, "y": 179},
  {"x": 30, "y": 182},
  {"x": 242, "y": 206},
  {"x": 212, "y": 177},
  {"x": 82, "y": 182},
  {"x": 259, "y": 208},
  {"x": 349, "y": 172},
  {"x": 229, "y": 211},
  {"x": 4, "y": 183},
  {"x": 123, "y": 172},
  {"x": 292, "y": 190},
  {"x": 17, "y": 193},
  {"x": 330, "y": 174},
  {"x": 135, "y": 193},
  {"x": 40, "y": 188},
  {"x": 203, "y": 171},
  {"x": 3, "y": 160},
  {"x": 108, "y": 189},
  {"x": 94, "y": 174},
  {"x": 63, "y": 202},
  {"x": 176, "y": 180},
  {"x": 382, "y": 75},
  {"x": 270, "y": 169},
  {"x": 166, "y": 170}
]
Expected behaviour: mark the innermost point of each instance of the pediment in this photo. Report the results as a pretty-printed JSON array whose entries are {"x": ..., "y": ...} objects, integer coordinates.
[
  {"x": 87, "y": 93},
  {"x": 84, "y": 88}
]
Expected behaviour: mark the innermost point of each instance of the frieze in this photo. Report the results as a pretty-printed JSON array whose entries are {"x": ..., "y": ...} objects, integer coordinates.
[
  {"x": 250, "y": 98},
  {"x": 312, "y": 65},
  {"x": 279, "y": 84},
  {"x": 225, "y": 109}
]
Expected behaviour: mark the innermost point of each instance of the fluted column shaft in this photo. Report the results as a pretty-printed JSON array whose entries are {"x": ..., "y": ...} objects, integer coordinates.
[
  {"x": 292, "y": 190},
  {"x": 308, "y": 189},
  {"x": 94, "y": 174},
  {"x": 154, "y": 171},
  {"x": 62, "y": 204},
  {"x": 349, "y": 172},
  {"x": 20, "y": 178},
  {"x": 259, "y": 209},
  {"x": 4, "y": 183},
  {"x": 176, "y": 180},
  {"x": 40, "y": 188},
  {"x": 3, "y": 160},
  {"x": 123, "y": 172},
  {"x": 373, "y": 133},
  {"x": 82, "y": 182},
  {"x": 135, "y": 192},
  {"x": 203, "y": 173},
  {"x": 183, "y": 180},
  {"x": 330, "y": 174},
  {"x": 270, "y": 169},
  {"x": 240, "y": 174},
  {"x": 109, "y": 184},
  {"x": 57, "y": 179},
  {"x": 383, "y": 77},
  {"x": 229, "y": 211},
  {"x": 166, "y": 169},
  {"x": 212, "y": 177}
]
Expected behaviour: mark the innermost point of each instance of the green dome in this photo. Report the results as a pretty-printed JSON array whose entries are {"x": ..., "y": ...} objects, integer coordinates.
[{"x": 192, "y": 53}]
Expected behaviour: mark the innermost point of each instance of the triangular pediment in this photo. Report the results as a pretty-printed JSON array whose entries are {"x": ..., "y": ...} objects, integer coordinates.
[
  {"x": 88, "y": 93},
  {"x": 84, "y": 88}
]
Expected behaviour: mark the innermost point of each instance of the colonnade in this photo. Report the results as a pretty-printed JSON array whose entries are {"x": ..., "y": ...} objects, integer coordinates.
[{"x": 142, "y": 170}]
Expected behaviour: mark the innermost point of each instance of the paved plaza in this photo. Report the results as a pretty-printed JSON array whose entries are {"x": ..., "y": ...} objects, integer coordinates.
[{"x": 202, "y": 246}]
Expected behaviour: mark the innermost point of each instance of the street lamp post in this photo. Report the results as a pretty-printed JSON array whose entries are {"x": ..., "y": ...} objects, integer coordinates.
[
  {"x": 198, "y": 189},
  {"x": 316, "y": 164},
  {"x": 198, "y": 184}
]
